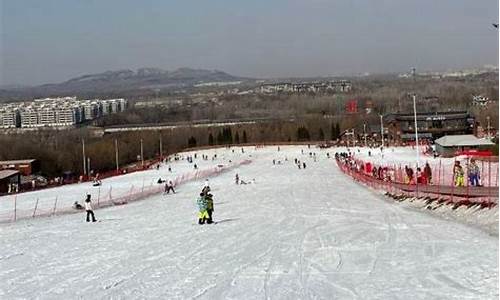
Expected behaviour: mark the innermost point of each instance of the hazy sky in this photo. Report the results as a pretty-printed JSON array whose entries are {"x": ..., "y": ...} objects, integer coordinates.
[{"x": 45, "y": 41}]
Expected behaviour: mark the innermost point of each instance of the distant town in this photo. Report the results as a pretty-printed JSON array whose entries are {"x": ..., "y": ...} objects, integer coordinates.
[{"x": 57, "y": 112}]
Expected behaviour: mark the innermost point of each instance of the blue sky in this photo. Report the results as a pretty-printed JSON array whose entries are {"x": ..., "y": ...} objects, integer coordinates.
[{"x": 54, "y": 40}]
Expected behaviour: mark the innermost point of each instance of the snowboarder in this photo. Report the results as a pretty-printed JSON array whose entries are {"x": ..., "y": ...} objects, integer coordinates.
[
  {"x": 89, "y": 209},
  {"x": 202, "y": 209}
]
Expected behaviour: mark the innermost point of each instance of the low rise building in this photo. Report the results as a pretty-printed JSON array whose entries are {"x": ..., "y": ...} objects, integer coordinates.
[
  {"x": 401, "y": 126},
  {"x": 449, "y": 145},
  {"x": 25, "y": 166}
]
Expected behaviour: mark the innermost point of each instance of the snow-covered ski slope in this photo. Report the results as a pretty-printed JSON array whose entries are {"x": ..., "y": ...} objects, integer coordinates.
[{"x": 293, "y": 234}]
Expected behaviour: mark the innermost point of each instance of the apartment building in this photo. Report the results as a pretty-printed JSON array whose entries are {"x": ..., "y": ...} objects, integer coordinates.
[{"x": 56, "y": 112}]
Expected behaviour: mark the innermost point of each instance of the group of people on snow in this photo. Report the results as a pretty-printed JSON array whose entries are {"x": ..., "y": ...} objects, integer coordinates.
[
  {"x": 205, "y": 204},
  {"x": 473, "y": 174},
  {"x": 88, "y": 208}
]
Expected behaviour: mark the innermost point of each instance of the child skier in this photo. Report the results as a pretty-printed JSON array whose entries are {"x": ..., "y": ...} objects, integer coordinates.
[
  {"x": 206, "y": 188},
  {"x": 202, "y": 209},
  {"x": 89, "y": 209}
]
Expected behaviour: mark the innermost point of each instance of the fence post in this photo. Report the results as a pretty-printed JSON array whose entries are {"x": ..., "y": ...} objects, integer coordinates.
[
  {"x": 98, "y": 195},
  {"x": 439, "y": 179},
  {"x": 55, "y": 204},
  {"x": 36, "y": 205},
  {"x": 453, "y": 180},
  {"x": 15, "y": 208},
  {"x": 489, "y": 180}
]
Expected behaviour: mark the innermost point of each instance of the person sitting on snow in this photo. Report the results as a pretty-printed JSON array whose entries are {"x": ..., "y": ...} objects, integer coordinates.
[{"x": 77, "y": 205}]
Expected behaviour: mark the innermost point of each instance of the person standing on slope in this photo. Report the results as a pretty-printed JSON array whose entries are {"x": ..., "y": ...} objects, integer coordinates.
[
  {"x": 206, "y": 188},
  {"x": 202, "y": 209},
  {"x": 210, "y": 207},
  {"x": 89, "y": 209}
]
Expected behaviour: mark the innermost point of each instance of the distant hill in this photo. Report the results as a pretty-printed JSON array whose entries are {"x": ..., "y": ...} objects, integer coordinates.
[{"x": 121, "y": 83}]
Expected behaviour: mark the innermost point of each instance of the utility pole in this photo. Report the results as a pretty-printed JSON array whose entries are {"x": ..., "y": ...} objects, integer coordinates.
[
  {"x": 142, "y": 155},
  {"x": 364, "y": 133},
  {"x": 161, "y": 148},
  {"x": 88, "y": 165},
  {"x": 116, "y": 155},
  {"x": 382, "y": 130},
  {"x": 488, "y": 118},
  {"x": 84, "y": 159}
]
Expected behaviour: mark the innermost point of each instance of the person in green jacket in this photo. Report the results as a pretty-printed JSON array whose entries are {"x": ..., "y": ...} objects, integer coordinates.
[
  {"x": 210, "y": 207},
  {"x": 202, "y": 209}
]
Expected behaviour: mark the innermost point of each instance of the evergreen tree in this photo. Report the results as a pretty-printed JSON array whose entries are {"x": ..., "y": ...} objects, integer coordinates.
[
  {"x": 220, "y": 138},
  {"x": 332, "y": 132},
  {"x": 237, "y": 138},
  {"x": 191, "y": 142},
  {"x": 337, "y": 130},
  {"x": 303, "y": 134},
  {"x": 211, "y": 139},
  {"x": 245, "y": 140},
  {"x": 321, "y": 134}
]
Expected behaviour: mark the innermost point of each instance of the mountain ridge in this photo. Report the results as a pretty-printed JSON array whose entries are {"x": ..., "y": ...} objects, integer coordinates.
[{"x": 121, "y": 81}]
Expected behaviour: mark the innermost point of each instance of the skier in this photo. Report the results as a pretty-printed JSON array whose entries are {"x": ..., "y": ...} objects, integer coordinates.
[
  {"x": 169, "y": 186},
  {"x": 170, "y": 169},
  {"x": 304, "y": 165},
  {"x": 458, "y": 173},
  {"x": 428, "y": 173},
  {"x": 89, "y": 209},
  {"x": 202, "y": 209},
  {"x": 210, "y": 207},
  {"x": 237, "y": 178},
  {"x": 473, "y": 173}
]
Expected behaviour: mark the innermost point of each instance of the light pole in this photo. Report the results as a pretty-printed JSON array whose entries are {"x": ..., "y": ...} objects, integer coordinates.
[
  {"x": 382, "y": 130},
  {"x": 84, "y": 159},
  {"x": 116, "y": 155},
  {"x": 416, "y": 128},
  {"x": 142, "y": 155}
]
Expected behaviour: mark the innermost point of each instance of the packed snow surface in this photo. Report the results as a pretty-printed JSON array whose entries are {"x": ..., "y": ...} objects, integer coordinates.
[{"x": 291, "y": 234}]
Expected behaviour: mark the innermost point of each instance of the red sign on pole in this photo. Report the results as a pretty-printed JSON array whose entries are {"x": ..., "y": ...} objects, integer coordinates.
[{"x": 352, "y": 106}]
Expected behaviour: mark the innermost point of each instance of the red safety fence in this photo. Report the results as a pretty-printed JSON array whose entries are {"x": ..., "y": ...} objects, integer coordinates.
[
  {"x": 106, "y": 199},
  {"x": 393, "y": 179}
]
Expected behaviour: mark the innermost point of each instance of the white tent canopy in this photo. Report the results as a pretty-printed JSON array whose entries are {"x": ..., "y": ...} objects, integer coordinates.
[{"x": 462, "y": 140}]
